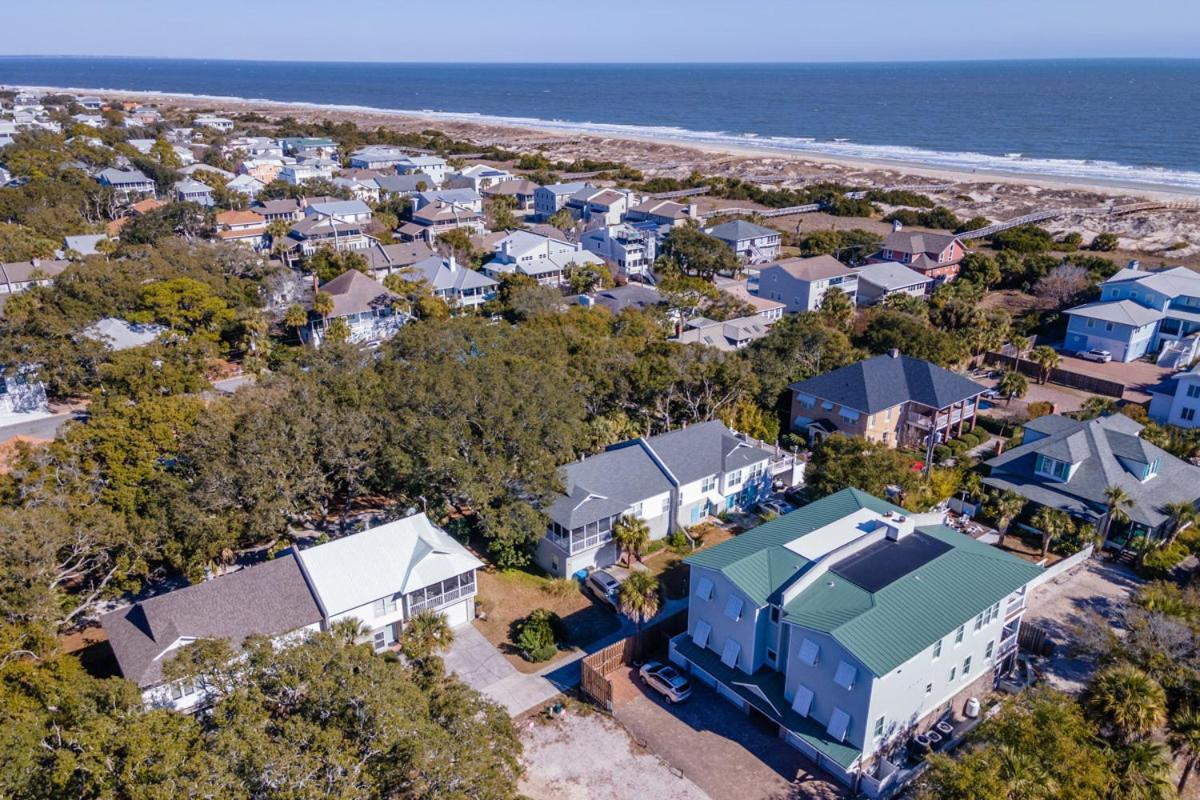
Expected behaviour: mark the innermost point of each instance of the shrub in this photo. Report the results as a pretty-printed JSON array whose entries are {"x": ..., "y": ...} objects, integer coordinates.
[
  {"x": 957, "y": 447},
  {"x": 654, "y": 546},
  {"x": 1158, "y": 562},
  {"x": 971, "y": 438},
  {"x": 941, "y": 452},
  {"x": 539, "y": 634},
  {"x": 560, "y": 587},
  {"x": 1040, "y": 408},
  {"x": 678, "y": 540},
  {"x": 1106, "y": 242}
]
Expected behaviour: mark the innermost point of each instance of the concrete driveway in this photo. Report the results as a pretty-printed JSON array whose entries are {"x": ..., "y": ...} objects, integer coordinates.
[
  {"x": 717, "y": 747},
  {"x": 475, "y": 660}
]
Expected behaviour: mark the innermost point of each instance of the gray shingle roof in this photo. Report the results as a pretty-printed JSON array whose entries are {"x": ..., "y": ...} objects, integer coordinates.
[
  {"x": 739, "y": 230},
  {"x": 890, "y": 275},
  {"x": 271, "y": 598},
  {"x": 353, "y": 293},
  {"x": 884, "y": 381},
  {"x": 1123, "y": 312}
]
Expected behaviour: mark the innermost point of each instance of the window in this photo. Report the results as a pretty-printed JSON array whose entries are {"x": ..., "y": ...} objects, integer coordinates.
[
  {"x": 1091, "y": 323},
  {"x": 966, "y": 667},
  {"x": 666, "y": 506},
  {"x": 733, "y": 608},
  {"x": 958, "y": 634},
  {"x": 808, "y": 652},
  {"x": 846, "y": 673},
  {"x": 734, "y": 478},
  {"x": 929, "y": 688},
  {"x": 700, "y": 634},
  {"x": 386, "y": 605},
  {"x": 709, "y": 484},
  {"x": 1193, "y": 390},
  {"x": 1187, "y": 414},
  {"x": 987, "y": 653},
  {"x": 979, "y": 620},
  {"x": 879, "y": 723},
  {"x": 636, "y": 509},
  {"x": 937, "y": 649},
  {"x": 1108, "y": 326},
  {"x": 704, "y": 589},
  {"x": 802, "y": 702},
  {"x": 771, "y": 654},
  {"x": 1052, "y": 468},
  {"x": 953, "y": 673}
]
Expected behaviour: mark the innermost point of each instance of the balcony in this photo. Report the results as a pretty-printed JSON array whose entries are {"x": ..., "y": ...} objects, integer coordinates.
[{"x": 925, "y": 422}]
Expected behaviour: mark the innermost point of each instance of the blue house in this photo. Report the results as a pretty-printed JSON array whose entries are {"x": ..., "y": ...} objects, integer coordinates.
[{"x": 1140, "y": 313}]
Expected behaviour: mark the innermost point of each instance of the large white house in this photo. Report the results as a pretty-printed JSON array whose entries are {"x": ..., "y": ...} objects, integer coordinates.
[
  {"x": 543, "y": 258},
  {"x": 381, "y": 577},
  {"x": 851, "y": 625},
  {"x": 632, "y": 248}
]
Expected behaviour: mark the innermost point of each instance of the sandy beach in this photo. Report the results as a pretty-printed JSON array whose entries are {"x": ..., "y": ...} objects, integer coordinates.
[{"x": 1172, "y": 233}]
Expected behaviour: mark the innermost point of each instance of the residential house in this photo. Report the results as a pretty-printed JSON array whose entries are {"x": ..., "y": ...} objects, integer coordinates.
[
  {"x": 463, "y": 198},
  {"x": 439, "y": 217},
  {"x": 361, "y": 188},
  {"x": 309, "y": 147},
  {"x": 739, "y": 289},
  {"x": 732, "y": 334},
  {"x": 892, "y": 398},
  {"x": 937, "y": 256},
  {"x": 296, "y": 174},
  {"x": 849, "y": 625},
  {"x": 250, "y": 147},
  {"x": 669, "y": 481},
  {"x": 386, "y": 259},
  {"x": 127, "y": 184},
  {"x": 262, "y": 169},
  {"x": 340, "y": 210},
  {"x": 243, "y": 227},
  {"x": 477, "y": 177},
  {"x": 1140, "y": 313},
  {"x": 632, "y": 248},
  {"x": 119, "y": 334},
  {"x": 145, "y": 146},
  {"x": 753, "y": 243},
  {"x": 202, "y": 169},
  {"x": 246, "y": 185},
  {"x": 220, "y": 124},
  {"x": 90, "y": 102},
  {"x": 549, "y": 200},
  {"x": 433, "y": 166},
  {"x": 286, "y": 210},
  {"x": 663, "y": 213},
  {"x": 543, "y": 258},
  {"x": 366, "y": 306},
  {"x": 193, "y": 191},
  {"x": 403, "y": 185},
  {"x": 17, "y": 276},
  {"x": 521, "y": 191},
  {"x": 1068, "y": 464},
  {"x": 882, "y": 279},
  {"x": 376, "y": 156},
  {"x": 385, "y": 576},
  {"x": 270, "y": 599},
  {"x": 458, "y": 286},
  {"x": 312, "y": 233},
  {"x": 801, "y": 283},
  {"x": 90, "y": 120},
  {"x": 83, "y": 245},
  {"x": 632, "y": 295},
  {"x": 1177, "y": 400},
  {"x": 600, "y": 206}
]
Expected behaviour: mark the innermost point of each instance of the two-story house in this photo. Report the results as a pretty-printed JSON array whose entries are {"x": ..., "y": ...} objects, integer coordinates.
[
  {"x": 600, "y": 206},
  {"x": 670, "y": 481},
  {"x": 318, "y": 147},
  {"x": 461, "y": 197},
  {"x": 285, "y": 210},
  {"x": 1175, "y": 402},
  {"x": 877, "y": 282},
  {"x": 381, "y": 577},
  {"x": 353, "y": 211},
  {"x": 752, "y": 243},
  {"x": 937, "y": 256},
  {"x": 459, "y": 286},
  {"x": 1068, "y": 464},
  {"x": 544, "y": 258},
  {"x": 1140, "y": 312},
  {"x": 519, "y": 190},
  {"x": 192, "y": 191},
  {"x": 631, "y": 247},
  {"x": 367, "y": 307},
  {"x": 220, "y": 124},
  {"x": 892, "y": 398},
  {"x": 377, "y": 156},
  {"x": 127, "y": 184},
  {"x": 850, "y": 625},
  {"x": 663, "y": 213},
  {"x": 17, "y": 276},
  {"x": 433, "y": 166},
  {"x": 550, "y": 199},
  {"x": 477, "y": 177},
  {"x": 242, "y": 227},
  {"x": 439, "y": 217},
  {"x": 312, "y": 233},
  {"x": 801, "y": 283},
  {"x": 297, "y": 174}
]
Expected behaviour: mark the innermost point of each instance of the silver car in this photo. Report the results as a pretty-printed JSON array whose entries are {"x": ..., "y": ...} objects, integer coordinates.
[
  {"x": 1095, "y": 354},
  {"x": 666, "y": 680},
  {"x": 604, "y": 586}
]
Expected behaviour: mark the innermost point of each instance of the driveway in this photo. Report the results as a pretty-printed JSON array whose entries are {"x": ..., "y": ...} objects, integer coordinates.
[
  {"x": 1138, "y": 376},
  {"x": 475, "y": 660},
  {"x": 1060, "y": 605},
  {"x": 718, "y": 747}
]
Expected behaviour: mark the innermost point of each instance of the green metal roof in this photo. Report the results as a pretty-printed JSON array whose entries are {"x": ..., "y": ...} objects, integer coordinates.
[
  {"x": 885, "y": 629},
  {"x": 757, "y": 562}
]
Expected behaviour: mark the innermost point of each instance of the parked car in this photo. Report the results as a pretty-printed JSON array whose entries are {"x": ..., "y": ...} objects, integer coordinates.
[
  {"x": 666, "y": 680},
  {"x": 992, "y": 394},
  {"x": 777, "y": 507},
  {"x": 1095, "y": 354},
  {"x": 604, "y": 586}
]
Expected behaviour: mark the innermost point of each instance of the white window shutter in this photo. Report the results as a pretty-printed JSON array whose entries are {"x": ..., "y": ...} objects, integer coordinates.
[{"x": 700, "y": 634}]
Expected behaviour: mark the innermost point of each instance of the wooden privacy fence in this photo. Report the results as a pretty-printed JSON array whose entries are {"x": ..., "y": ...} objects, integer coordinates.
[
  {"x": 596, "y": 667},
  {"x": 1064, "y": 377}
]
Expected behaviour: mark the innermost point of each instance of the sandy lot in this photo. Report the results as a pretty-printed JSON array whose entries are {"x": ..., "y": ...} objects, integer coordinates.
[{"x": 590, "y": 757}]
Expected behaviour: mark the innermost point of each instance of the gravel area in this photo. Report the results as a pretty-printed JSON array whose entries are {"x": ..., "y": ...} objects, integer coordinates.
[{"x": 590, "y": 757}]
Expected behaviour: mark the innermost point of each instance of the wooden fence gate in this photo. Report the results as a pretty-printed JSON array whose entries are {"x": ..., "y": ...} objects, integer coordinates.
[{"x": 594, "y": 669}]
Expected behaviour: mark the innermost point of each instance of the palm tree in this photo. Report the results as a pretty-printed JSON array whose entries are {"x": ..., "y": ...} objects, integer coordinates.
[
  {"x": 1097, "y": 407},
  {"x": 323, "y": 304},
  {"x": 1183, "y": 736},
  {"x": 1005, "y": 508},
  {"x": 278, "y": 231},
  {"x": 425, "y": 635},
  {"x": 349, "y": 630},
  {"x": 1117, "y": 504},
  {"x": 632, "y": 535},
  {"x": 638, "y": 598},
  {"x": 1020, "y": 344},
  {"x": 1012, "y": 384},
  {"x": 1128, "y": 701},
  {"x": 1047, "y": 358},
  {"x": 1142, "y": 770},
  {"x": 1182, "y": 514},
  {"x": 1053, "y": 524}
]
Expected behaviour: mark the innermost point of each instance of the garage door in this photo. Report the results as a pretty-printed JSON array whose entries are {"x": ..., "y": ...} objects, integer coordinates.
[{"x": 459, "y": 613}]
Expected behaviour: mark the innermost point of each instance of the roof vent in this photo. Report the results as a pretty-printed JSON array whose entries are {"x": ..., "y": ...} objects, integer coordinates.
[
  {"x": 887, "y": 515},
  {"x": 1135, "y": 264},
  {"x": 894, "y": 352}
]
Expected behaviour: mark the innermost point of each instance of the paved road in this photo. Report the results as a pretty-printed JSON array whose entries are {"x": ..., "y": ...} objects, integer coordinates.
[{"x": 40, "y": 428}]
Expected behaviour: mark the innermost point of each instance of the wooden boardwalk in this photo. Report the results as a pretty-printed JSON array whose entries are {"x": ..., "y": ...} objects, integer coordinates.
[{"x": 1095, "y": 211}]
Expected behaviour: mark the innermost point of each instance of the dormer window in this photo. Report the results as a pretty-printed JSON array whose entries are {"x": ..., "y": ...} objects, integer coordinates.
[
  {"x": 1150, "y": 470},
  {"x": 1052, "y": 467}
]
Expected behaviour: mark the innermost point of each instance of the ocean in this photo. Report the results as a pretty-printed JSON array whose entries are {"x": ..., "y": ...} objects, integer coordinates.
[{"x": 1132, "y": 121}]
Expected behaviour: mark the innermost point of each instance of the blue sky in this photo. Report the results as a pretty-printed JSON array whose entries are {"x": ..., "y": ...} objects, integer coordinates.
[{"x": 616, "y": 30}]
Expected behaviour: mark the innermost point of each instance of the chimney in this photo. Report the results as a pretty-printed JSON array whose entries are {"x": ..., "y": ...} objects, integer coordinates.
[
  {"x": 35, "y": 262},
  {"x": 693, "y": 211},
  {"x": 897, "y": 225},
  {"x": 1135, "y": 264},
  {"x": 894, "y": 352},
  {"x": 453, "y": 263}
]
